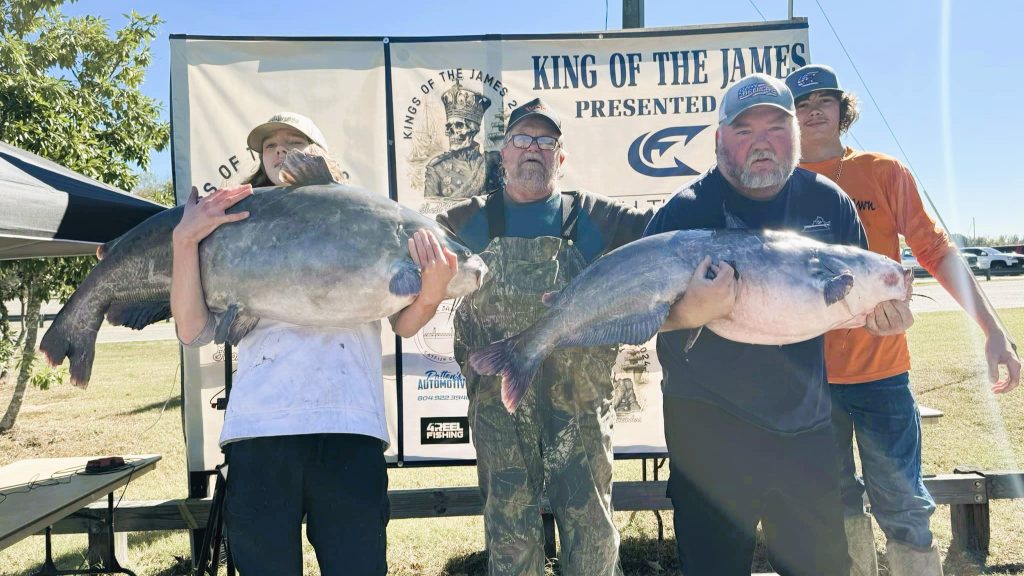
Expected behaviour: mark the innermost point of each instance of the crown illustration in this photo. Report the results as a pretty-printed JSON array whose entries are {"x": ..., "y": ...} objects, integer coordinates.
[{"x": 463, "y": 103}]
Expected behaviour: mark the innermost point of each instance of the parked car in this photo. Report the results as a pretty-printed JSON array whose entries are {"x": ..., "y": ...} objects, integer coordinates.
[
  {"x": 909, "y": 261},
  {"x": 989, "y": 257}
]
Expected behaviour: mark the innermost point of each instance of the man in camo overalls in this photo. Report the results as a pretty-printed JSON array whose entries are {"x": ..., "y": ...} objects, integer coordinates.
[{"x": 535, "y": 238}]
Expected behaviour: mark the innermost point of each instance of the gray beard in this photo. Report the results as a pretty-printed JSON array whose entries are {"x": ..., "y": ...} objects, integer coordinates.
[
  {"x": 532, "y": 179},
  {"x": 753, "y": 180}
]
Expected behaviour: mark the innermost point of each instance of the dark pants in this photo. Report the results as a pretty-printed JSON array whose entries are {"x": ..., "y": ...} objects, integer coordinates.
[
  {"x": 339, "y": 482},
  {"x": 727, "y": 474}
]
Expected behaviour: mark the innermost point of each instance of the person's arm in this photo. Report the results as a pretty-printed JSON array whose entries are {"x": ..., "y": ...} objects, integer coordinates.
[
  {"x": 630, "y": 224},
  {"x": 959, "y": 282},
  {"x": 705, "y": 299},
  {"x": 438, "y": 265},
  {"x": 201, "y": 216},
  {"x": 942, "y": 260}
]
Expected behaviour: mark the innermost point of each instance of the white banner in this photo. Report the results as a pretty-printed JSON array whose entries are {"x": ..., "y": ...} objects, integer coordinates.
[
  {"x": 220, "y": 90},
  {"x": 638, "y": 109}
]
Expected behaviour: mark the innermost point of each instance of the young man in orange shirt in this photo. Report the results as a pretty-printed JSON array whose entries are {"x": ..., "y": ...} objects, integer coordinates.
[{"x": 869, "y": 375}]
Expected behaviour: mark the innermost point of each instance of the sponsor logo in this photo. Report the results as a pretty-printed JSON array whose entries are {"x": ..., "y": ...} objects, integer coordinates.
[
  {"x": 444, "y": 430},
  {"x": 641, "y": 151},
  {"x": 808, "y": 79},
  {"x": 819, "y": 224},
  {"x": 757, "y": 89},
  {"x": 436, "y": 339},
  {"x": 444, "y": 379}
]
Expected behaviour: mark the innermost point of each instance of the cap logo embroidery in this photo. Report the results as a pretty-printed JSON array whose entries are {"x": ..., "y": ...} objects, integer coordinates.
[
  {"x": 757, "y": 89},
  {"x": 807, "y": 79}
]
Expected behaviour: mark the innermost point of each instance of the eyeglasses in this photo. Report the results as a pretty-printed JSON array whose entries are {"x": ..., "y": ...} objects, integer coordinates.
[{"x": 524, "y": 141}]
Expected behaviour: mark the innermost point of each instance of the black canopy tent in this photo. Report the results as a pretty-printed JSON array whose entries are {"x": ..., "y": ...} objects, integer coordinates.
[{"x": 49, "y": 210}]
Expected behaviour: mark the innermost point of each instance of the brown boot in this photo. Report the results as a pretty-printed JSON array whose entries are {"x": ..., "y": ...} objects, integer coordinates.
[
  {"x": 906, "y": 560},
  {"x": 860, "y": 538}
]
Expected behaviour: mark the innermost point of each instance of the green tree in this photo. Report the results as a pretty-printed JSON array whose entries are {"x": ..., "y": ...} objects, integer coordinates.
[
  {"x": 69, "y": 91},
  {"x": 152, "y": 189}
]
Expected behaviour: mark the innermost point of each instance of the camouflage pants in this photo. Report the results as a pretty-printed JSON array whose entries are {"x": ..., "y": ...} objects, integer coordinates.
[
  {"x": 551, "y": 442},
  {"x": 558, "y": 441}
]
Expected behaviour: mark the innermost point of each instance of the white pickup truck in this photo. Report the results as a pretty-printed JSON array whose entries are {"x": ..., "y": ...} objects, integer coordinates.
[
  {"x": 910, "y": 262},
  {"x": 994, "y": 260}
]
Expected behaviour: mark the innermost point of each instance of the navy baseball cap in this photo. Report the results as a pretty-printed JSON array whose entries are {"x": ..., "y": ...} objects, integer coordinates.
[
  {"x": 534, "y": 108},
  {"x": 755, "y": 90},
  {"x": 812, "y": 78}
]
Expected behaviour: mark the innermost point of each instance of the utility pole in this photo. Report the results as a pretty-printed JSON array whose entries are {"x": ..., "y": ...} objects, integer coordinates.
[{"x": 632, "y": 14}]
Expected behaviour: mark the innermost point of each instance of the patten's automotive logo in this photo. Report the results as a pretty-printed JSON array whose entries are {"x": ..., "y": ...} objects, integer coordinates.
[
  {"x": 641, "y": 151},
  {"x": 444, "y": 430}
]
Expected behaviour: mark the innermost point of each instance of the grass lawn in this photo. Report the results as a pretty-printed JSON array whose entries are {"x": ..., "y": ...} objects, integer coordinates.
[{"x": 132, "y": 407}]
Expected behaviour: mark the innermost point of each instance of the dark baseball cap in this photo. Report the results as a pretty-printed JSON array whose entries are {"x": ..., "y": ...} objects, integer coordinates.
[
  {"x": 812, "y": 78},
  {"x": 535, "y": 107}
]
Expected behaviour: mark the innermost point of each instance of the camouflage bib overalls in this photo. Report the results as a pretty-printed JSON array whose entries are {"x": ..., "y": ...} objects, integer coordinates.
[{"x": 559, "y": 440}]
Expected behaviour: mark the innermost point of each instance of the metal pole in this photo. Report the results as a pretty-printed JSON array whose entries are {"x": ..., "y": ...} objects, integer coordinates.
[
  {"x": 790, "y": 9},
  {"x": 633, "y": 14}
]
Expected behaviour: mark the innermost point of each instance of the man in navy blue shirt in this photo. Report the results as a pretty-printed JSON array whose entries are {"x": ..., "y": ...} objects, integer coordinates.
[{"x": 747, "y": 426}]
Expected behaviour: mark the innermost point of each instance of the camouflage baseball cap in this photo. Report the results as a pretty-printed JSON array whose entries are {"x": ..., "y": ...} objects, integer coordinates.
[{"x": 285, "y": 120}]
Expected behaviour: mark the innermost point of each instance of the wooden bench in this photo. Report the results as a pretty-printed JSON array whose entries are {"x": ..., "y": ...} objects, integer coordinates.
[
  {"x": 968, "y": 492},
  {"x": 929, "y": 415}
]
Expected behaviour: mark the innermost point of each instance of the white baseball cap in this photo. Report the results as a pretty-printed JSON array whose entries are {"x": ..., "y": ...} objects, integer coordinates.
[{"x": 285, "y": 120}]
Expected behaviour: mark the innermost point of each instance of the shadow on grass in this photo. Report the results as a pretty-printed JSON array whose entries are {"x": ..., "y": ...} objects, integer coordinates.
[
  {"x": 76, "y": 560},
  {"x": 173, "y": 404},
  {"x": 639, "y": 557},
  {"x": 972, "y": 564}
]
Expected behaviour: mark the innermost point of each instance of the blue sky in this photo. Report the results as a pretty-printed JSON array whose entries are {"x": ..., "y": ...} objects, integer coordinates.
[{"x": 940, "y": 70}]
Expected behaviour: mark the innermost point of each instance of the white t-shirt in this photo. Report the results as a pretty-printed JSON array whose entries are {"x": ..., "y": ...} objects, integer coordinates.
[{"x": 307, "y": 380}]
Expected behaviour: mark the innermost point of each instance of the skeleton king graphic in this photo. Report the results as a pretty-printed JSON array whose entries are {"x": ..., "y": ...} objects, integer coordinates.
[{"x": 463, "y": 170}]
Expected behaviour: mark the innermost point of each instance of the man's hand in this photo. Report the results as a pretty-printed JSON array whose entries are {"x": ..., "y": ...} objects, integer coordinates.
[
  {"x": 889, "y": 318},
  {"x": 999, "y": 352},
  {"x": 203, "y": 215},
  {"x": 438, "y": 265},
  {"x": 705, "y": 299}
]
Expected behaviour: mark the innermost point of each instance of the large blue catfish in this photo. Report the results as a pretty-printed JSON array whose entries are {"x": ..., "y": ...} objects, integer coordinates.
[
  {"x": 790, "y": 289},
  {"x": 317, "y": 253}
]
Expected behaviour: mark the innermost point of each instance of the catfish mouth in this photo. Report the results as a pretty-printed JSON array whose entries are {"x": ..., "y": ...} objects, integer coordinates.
[
  {"x": 480, "y": 274},
  {"x": 471, "y": 276}
]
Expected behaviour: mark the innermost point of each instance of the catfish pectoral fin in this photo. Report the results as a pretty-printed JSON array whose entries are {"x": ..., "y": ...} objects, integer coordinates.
[
  {"x": 138, "y": 315},
  {"x": 234, "y": 324},
  {"x": 837, "y": 288}
]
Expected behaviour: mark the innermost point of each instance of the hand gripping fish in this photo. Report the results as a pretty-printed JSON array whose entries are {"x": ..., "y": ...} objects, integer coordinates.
[
  {"x": 790, "y": 289},
  {"x": 317, "y": 253}
]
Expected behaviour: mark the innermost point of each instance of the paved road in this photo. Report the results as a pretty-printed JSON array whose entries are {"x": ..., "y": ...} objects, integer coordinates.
[
  {"x": 1004, "y": 292},
  {"x": 108, "y": 333}
]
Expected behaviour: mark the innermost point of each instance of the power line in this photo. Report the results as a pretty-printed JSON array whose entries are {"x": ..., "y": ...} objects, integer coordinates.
[
  {"x": 758, "y": 10},
  {"x": 881, "y": 114}
]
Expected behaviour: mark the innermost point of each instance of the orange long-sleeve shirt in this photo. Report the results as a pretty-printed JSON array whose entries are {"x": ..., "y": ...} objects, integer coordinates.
[{"x": 888, "y": 204}]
